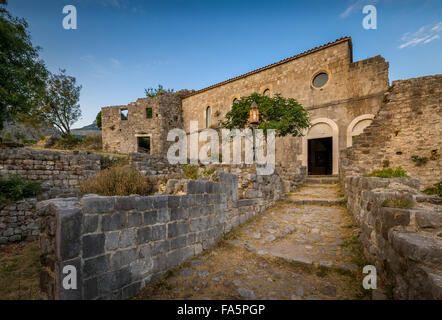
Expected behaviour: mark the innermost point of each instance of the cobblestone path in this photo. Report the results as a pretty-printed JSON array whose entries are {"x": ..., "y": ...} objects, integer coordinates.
[{"x": 304, "y": 247}]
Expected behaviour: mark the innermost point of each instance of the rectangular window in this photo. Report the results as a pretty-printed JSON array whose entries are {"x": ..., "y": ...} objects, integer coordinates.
[
  {"x": 124, "y": 114},
  {"x": 148, "y": 113}
]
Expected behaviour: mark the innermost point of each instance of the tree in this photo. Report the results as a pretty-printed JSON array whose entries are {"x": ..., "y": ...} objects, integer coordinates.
[
  {"x": 285, "y": 115},
  {"x": 98, "y": 120},
  {"x": 152, "y": 92},
  {"x": 22, "y": 74},
  {"x": 61, "y": 108}
]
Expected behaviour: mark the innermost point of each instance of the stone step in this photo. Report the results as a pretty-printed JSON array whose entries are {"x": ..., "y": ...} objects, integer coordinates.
[
  {"x": 322, "y": 179},
  {"x": 317, "y": 201}
]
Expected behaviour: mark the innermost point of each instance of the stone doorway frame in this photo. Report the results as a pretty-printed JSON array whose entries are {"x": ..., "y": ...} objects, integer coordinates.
[
  {"x": 335, "y": 143},
  {"x": 141, "y": 135}
]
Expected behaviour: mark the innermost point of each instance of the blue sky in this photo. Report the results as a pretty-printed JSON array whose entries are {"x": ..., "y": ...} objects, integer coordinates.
[{"x": 123, "y": 46}]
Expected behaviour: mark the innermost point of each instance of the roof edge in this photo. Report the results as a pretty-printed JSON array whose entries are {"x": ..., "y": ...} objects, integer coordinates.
[{"x": 302, "y": 54}]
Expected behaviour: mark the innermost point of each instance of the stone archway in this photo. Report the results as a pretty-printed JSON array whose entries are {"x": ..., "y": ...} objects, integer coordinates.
[
  {"x": 322, "y": 128},
  {"x": 358, "y": 125}
]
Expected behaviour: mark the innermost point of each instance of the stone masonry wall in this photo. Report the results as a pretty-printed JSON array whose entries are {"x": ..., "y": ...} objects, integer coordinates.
[
  {"x": 18, "y": 221},
  {"x": 353, "y": 89},
  {"x": 405, "y": 245},
  {"x": 408, "y": 124},
  {"x": 57, "y": 168},
  {"x": 121, "y": 135},
  {"x": 120, "y": 244}
]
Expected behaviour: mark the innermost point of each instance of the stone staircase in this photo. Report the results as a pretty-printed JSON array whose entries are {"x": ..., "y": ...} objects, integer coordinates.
[{"x": 318, "y": 190}]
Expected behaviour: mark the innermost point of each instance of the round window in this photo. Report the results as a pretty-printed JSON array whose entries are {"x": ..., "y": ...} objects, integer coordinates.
[{"x": 320, "y": 80}]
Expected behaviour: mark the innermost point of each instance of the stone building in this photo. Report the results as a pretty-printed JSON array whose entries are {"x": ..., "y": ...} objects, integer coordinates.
[{"x": 341, "y": 96}]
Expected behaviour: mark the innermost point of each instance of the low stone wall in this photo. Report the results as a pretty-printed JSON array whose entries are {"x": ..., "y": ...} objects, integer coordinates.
[
  {"x": 120, "y": 244},
  {"x": 18, "y": 221},
  {"x": 57, "y": 168},
  {"x": 405, "y": 245}
]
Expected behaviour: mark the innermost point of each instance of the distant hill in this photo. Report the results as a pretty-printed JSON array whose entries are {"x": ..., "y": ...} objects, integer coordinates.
[{"x": 88, "y": 130}]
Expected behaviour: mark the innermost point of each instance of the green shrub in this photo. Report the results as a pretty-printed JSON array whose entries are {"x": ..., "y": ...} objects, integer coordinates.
[
  {"x": 116, "y": 181},
  {"x": 91, "y": 142},
  {"x": 190, "y": 171},
  {"x": 16, "y": 188},
  {"x": 68, "y": 142},
  {"x": 436, "y": 189},
  {"x": 419, "y": 161},
  {"x": 389, "y": 173},
  {"x": 399, "y": 202}
]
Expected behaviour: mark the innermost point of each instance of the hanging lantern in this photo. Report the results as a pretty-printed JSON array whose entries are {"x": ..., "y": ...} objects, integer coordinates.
[{"x": 254, "y": 113}]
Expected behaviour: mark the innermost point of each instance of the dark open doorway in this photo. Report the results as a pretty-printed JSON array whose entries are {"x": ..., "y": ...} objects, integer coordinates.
[
  {"x": 143, "y": 144},
  {"x": 320, "y": 153}
]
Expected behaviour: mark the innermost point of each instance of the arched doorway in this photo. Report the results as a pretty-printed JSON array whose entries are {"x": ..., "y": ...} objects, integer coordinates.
[{"x": 320, "y": 147}]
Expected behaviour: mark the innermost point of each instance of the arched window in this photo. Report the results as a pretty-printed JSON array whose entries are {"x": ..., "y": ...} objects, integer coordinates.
[
  {"x": 208, "y": 117},
  {"x": 267, "y": 92}
]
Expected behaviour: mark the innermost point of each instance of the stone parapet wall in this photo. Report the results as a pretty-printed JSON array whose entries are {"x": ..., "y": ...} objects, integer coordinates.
[
  {"x": 120, "y": 244},
  {"x": 408, "y": 124},
  {"x": 57, "y": 168},
  {"x": 404, "y": 244}
]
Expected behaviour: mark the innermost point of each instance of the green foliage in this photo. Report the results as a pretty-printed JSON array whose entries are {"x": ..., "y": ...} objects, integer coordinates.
[
  {"x": 286, "y": 116},
  {"x": 98, "y": 120},
  {"x": 399, "y": 202},
  {"x": 389, "y": 173},
  {"x": 22, "y": 74},
  {"x": 436, "y": 189},
  {"x": 152, "y": 92},
  {"x": 117, "y": 181},
  {"x": 190, "y": 171},
  {"x": 419, "y": 161},
  {"x": 15, "y": 188},
  {"x": 67, "y": 142},
  {"x": 61, "y": 108}
]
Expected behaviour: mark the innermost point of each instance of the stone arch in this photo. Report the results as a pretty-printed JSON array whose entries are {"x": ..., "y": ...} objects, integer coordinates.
[
  {"x": 324, "y": 128},
  {"x": 359, "y": 124}
]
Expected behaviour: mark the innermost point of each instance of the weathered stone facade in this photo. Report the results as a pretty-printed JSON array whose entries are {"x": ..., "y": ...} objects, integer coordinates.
[
  {"x": 122, "y": 135},
  {"x": 340, "y": 109},
  {"x": 120, "y": 244},
  {"x": 404, "y": 244},
  {"x": 408, "y": 124}
]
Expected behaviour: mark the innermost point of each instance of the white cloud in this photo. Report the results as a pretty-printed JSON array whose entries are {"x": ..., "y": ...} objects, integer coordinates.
[
  {"x": 423, "y": 36},
  {"x": 355, "y": 5}
]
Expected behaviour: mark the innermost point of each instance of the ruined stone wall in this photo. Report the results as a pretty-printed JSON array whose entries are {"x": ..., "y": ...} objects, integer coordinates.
[
  {"x": 121, "y": 135},
  {"x": 62, "y": 169},
  {"x": 354, "y": 89},
  {"x": 408, "y": 124},
  {"x": 18, "y": 221},
  {"x": 120, "y": 244},
  {"x": 404, "y": 244}
]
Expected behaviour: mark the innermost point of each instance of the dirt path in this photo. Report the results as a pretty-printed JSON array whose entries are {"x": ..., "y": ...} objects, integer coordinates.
[{"x": 302, "y": 248}]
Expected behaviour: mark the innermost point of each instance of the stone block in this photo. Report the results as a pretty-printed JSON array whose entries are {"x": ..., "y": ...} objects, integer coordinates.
[
  {"x": 150, "y": 217},
  {"x": 123, "y": 257},
  {"x": 111, "y": 240},
  {"x": 90, "y": 223},
  {"x": 160, "y": 247},
  {"x": 158, "y": 232},
  {"x": 96, "y": 266},
  {"x": 70, "y": 294},
  {"x": 97, "y": 204},
  {"x": 68, "y": 233},
  {"x": 134, "y": 219},
  {"x": 144, "y": 235},
  {"x": 93, "y": 245},
  {"x": 127, "y": 238},
  {"x": 115, "y": 221}
]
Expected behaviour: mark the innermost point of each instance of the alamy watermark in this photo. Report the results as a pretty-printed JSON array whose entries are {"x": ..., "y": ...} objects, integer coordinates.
[
  {"x": 70, "y": 20},
  {"x": 186, "y": 148},
  {"x": 370, "y": 20}
]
